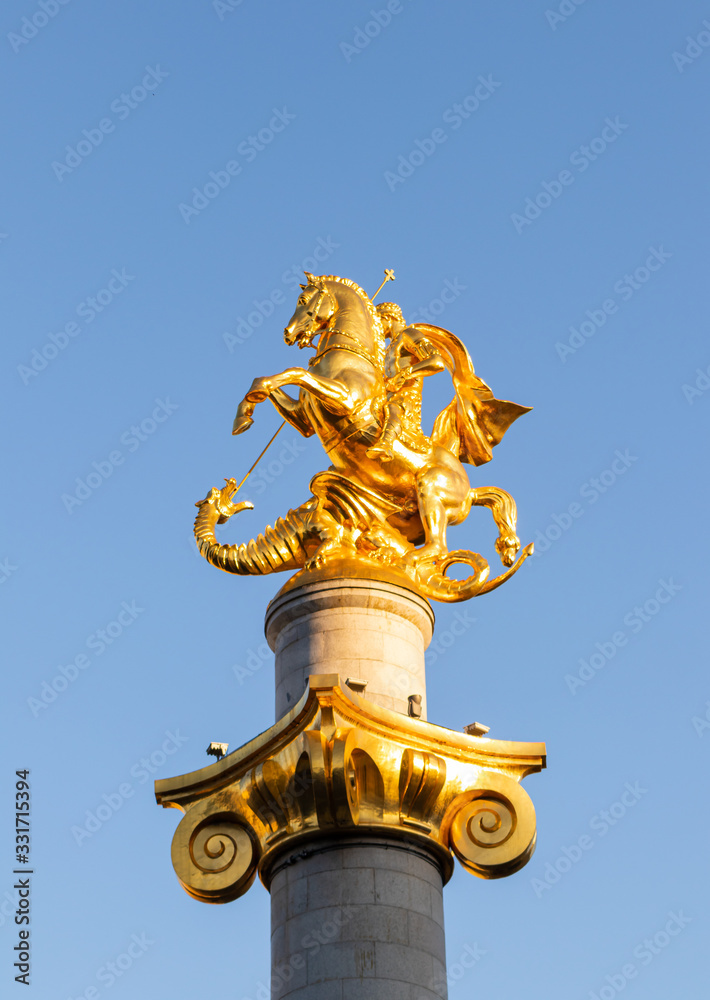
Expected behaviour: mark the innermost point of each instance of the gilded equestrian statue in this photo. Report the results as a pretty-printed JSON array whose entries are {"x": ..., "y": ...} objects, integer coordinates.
[{"x": 391, "y": 491}]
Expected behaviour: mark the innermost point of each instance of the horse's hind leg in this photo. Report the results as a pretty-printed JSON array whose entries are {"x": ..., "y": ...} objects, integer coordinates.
[{"x": 434, "y": 513}]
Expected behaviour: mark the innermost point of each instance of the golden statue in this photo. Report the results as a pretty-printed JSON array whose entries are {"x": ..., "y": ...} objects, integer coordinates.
[
  {"x": 339, "y": 762},
  {"x": 391, "y": 491}
]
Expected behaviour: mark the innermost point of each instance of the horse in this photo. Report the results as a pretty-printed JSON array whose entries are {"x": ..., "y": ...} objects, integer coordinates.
[{"x": 341, "y": 400}]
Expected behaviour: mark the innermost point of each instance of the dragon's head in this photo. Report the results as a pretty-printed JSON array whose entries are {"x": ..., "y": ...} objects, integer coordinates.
[{"x": 221, "y": 500}]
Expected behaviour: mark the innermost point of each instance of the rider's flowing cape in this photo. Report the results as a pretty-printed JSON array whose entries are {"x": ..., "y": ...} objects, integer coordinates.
[{"x": 474, "y": 421}]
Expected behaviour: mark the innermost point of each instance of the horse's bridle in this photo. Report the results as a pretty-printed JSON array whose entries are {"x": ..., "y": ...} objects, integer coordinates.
[
  {"x": 362, "y": 353},
  {"x": 310, "y": 332},
  {"x": 306, "y": 339}
]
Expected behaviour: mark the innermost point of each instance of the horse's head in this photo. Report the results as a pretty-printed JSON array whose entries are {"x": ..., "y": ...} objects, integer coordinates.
[{"x": 316, "y": 306}]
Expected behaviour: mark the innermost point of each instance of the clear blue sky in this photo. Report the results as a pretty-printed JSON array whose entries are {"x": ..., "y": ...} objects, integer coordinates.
[{"x": 587, "y": 122}]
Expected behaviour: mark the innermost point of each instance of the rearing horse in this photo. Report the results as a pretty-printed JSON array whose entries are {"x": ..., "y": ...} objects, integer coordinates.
[{"x": 341, "y": 400}]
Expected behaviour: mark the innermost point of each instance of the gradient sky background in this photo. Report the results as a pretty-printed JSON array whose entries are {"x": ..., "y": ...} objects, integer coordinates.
[{"x": 640, "y": 385}]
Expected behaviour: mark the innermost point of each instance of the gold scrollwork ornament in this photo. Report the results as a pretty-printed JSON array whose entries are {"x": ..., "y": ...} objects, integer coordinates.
[
  {"x": 493, "y": 829},
  {"x": 213, "y": 854}
]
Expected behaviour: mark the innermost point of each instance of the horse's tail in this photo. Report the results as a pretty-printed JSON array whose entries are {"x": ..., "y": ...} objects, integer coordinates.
[
  {"x": 505, "y": 515},
  {"x": 440, "y": 587}
]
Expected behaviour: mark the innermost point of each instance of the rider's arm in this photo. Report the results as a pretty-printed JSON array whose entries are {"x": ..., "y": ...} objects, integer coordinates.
[{"x": 421, "y": 356}]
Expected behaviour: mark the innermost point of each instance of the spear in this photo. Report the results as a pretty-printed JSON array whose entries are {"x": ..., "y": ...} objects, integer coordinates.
[
  {"x": 389, "y": 276},
  {"x": 261, "y": 455}
]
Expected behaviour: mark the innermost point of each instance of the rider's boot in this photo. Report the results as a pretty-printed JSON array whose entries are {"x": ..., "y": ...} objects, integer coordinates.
[{"x": 382, "y": 449}]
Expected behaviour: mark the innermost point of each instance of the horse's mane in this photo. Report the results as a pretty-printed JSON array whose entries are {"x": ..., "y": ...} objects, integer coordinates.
[{"x": 376, "y": 321}]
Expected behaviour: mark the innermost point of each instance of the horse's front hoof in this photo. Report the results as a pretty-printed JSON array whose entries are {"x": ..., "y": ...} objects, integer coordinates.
[{"x": 242, "y": 423}]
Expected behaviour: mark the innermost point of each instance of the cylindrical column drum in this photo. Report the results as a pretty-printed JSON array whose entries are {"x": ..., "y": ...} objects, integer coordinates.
[
  {"x": 359, "y": 918},
  {"x": 372, "y": 633}
]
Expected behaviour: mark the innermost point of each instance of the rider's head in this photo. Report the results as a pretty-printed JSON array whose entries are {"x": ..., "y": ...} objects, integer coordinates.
[{"x": 392, "y": 319}]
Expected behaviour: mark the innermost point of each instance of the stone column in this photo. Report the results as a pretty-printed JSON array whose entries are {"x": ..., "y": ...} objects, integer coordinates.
[
  {"x": 351, "y": 808},
  {"x": 372, "y": 633},
  {"x": 355, "y": 917}
]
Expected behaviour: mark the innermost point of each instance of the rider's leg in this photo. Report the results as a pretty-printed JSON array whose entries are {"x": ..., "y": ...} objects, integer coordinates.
[{"x": 392, "y": 430}]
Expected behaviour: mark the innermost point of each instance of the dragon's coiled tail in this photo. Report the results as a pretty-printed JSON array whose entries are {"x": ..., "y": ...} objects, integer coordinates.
[
  {"x": 278, "y": 548},
  {"x": 443, "y": 588}
]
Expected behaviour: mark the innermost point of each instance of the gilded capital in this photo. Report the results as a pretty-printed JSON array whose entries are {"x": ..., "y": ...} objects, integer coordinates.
[{"x": 338, "y": 763}]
